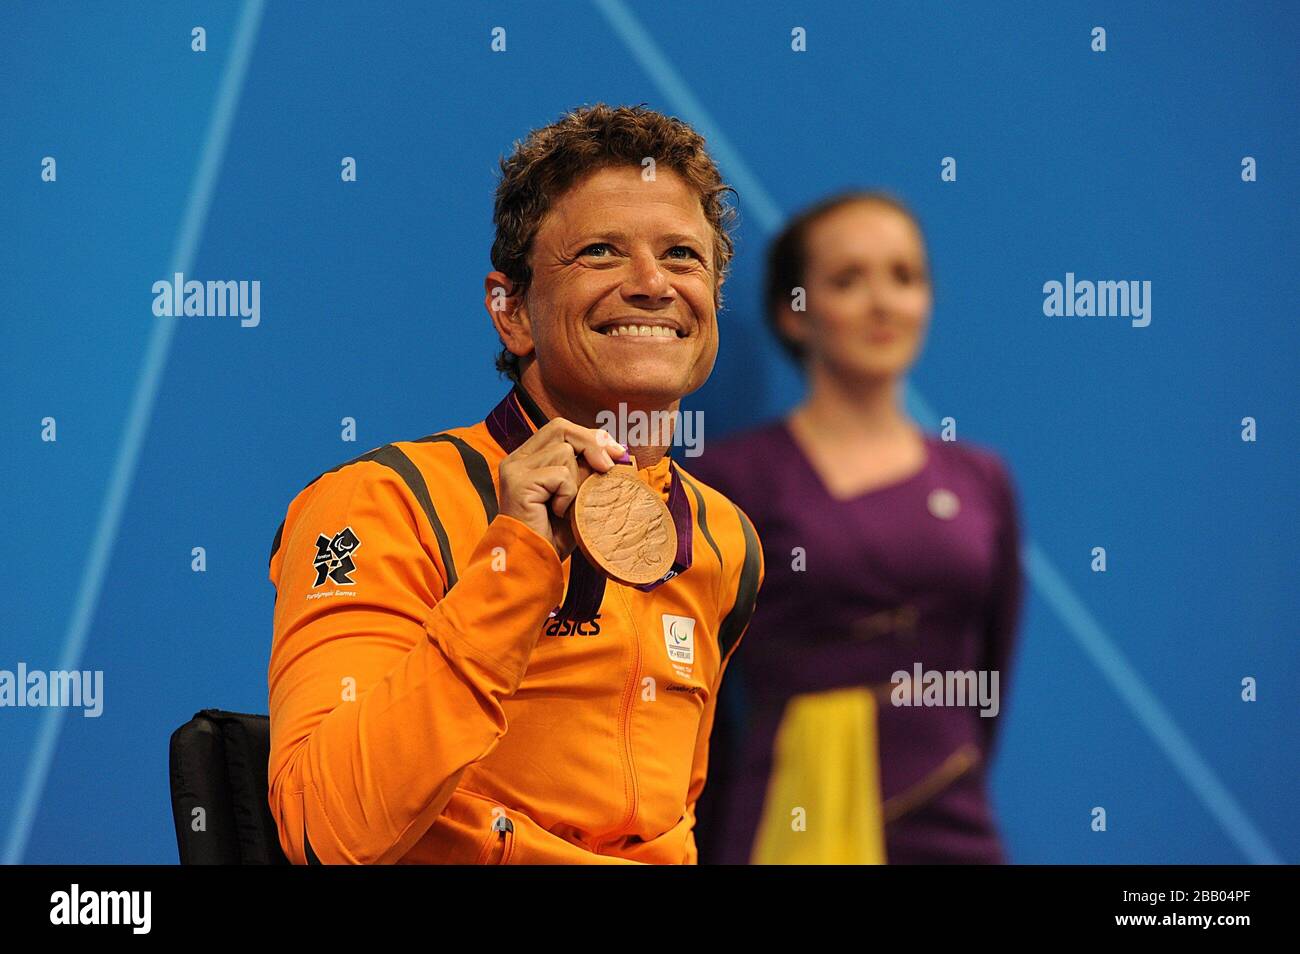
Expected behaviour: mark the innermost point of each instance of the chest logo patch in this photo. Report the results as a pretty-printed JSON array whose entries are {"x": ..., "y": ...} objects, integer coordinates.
[
  {"x": 334, "y": 558},
  {"x": 679, "y": 638}
]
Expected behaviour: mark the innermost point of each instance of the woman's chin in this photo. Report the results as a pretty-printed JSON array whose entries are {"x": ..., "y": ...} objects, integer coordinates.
[
  {"x": 870, "y": 369},
  {"x": 646, "y": 379}
]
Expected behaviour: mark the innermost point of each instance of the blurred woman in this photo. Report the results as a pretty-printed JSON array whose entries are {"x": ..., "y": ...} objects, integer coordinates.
[{"x": 888, "y": 550}]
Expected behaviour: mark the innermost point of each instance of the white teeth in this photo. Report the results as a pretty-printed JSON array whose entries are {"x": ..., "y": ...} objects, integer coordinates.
[{"x": 640, "y": 331}]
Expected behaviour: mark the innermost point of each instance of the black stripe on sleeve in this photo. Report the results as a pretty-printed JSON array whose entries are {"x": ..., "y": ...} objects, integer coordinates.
[
  {"x": 703, "y": 514},
  {"x": 476, "y": 469},
  {"x": 391, "y": 457},
  {"x": 746, "y": 593},
  {"x": 275, "y": 544},
  {"x": 279, "y": 534}
]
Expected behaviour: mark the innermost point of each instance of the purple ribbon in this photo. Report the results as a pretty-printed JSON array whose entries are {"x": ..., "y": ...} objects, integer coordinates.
[{"x": 508, "y": 425}]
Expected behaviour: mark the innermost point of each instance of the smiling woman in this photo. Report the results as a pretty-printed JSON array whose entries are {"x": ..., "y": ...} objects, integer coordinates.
[
  {"x": 627, "y": 314},
  {"x": 472, "y": 543},
  {"x": 601, "y": 254}
]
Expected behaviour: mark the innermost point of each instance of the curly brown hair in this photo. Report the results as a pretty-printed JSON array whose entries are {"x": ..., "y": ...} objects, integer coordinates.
[{"x": 553, "y": 158}]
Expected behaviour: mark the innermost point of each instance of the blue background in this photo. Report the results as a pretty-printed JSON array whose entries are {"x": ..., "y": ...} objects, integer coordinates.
[{"x": 176, "y": 433}]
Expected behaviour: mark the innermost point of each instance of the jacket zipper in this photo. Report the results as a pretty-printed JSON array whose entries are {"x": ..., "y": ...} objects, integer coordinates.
[
  {"x": 625, "y": 724},
  {"x": 501, "y": 837},
  {"x": 505, "y": 829}
]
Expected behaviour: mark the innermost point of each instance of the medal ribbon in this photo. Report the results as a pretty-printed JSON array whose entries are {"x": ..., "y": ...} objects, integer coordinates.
[{"x": 509, "y": 426}]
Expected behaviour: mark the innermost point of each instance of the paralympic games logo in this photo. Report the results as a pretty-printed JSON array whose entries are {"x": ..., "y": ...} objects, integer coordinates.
[{"x": 679, "y": 638}]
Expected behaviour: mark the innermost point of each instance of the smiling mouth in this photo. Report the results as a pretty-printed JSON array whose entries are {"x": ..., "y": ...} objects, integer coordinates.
[{"x": 641, "y": 332}]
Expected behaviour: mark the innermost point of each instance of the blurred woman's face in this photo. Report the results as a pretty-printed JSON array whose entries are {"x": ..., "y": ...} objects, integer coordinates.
[{"x": 868, "y": 293}]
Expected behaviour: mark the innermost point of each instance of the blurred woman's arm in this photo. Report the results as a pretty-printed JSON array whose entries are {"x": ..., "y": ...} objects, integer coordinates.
[{"x": 1006, "y": 599}]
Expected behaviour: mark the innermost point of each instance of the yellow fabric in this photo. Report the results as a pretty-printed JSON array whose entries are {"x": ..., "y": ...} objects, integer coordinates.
[{"x": 825, "y": 762}]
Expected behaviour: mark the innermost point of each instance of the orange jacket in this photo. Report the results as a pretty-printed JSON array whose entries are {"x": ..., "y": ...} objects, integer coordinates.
[{"x": 426, "y": 707}]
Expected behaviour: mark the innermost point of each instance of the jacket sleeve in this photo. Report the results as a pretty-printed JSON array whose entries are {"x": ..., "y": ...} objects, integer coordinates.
[
  {"x": 739, "y": 600},
  {"x": 1005, "y": 601},
  {"x": 385, "y": 685}
]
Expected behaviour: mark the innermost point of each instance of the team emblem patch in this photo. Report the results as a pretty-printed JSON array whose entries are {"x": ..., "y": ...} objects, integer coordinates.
[
  {"x": 334, "y": 557},
  {"x": 679, "y": 638}
]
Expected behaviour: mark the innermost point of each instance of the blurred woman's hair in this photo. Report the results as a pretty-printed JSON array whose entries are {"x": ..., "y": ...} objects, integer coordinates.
[{"x": 787, "y": 256}]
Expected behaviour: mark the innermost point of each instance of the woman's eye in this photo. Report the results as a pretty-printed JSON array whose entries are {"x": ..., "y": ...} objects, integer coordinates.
[
  {"x": 684, "y": 248},
  {"x": 588, "y": 249}
]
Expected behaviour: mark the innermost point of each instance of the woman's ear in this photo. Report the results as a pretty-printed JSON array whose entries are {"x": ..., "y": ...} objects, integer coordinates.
[
  {"x": 793, "y": 325},
  {"x": 508, "y": 309}
]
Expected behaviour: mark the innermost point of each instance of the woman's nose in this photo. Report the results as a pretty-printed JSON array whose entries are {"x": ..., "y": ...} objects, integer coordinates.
[
  {"x": 882, "y": 296},
  {"x": 646, "y": 279}
]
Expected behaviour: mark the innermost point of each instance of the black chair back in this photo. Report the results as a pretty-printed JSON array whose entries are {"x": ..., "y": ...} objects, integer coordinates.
[{"x": 218, "y": 767}]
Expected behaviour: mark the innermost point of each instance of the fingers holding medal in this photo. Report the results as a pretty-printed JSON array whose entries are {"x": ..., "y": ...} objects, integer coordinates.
[{"x": 541, "y": 478}]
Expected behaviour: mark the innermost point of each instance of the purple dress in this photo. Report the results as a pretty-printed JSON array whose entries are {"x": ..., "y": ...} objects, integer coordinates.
[{"x": 923, "y": 570}]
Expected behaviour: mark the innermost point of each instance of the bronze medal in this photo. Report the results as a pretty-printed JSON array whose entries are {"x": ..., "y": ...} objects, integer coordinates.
[{"x": 623, "y": 527}]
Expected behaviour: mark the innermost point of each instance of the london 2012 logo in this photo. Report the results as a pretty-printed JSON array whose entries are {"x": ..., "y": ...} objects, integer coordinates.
[{"x": 334, "y": 558}]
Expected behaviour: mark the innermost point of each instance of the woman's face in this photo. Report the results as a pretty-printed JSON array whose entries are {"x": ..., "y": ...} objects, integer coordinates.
[
  {"x": 616, "y": 251},
  {"x": 868, "y": 293}
]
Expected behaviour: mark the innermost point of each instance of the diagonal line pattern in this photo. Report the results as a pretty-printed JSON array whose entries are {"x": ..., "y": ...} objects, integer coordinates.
[
  {"x": 1046, "y": 580},
  {"x": 137, "y": 422}
]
